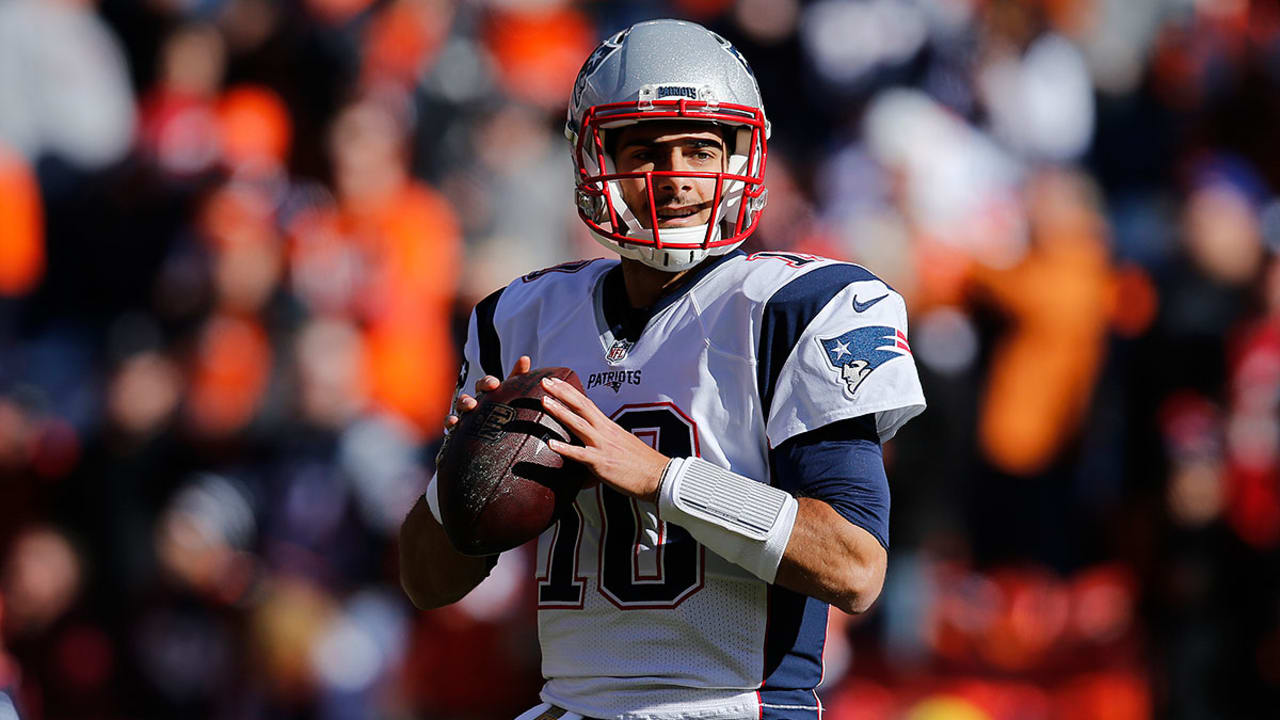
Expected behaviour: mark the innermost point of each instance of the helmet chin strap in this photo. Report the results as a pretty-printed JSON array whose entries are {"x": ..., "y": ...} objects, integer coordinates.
[{"x": 664, "y": 260}]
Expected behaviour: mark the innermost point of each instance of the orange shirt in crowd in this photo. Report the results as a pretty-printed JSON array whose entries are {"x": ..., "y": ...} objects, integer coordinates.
[
  {"x": 21, "y": 226},
  {"x": 407, "y": 253},
  {"x": 1058, "y": 299}
]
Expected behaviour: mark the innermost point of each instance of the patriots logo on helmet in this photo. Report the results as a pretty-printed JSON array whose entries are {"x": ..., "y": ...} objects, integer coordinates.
[
  {"x": 728, "y": 46},
  {"x": 857, "y": 352},
  {"x": 597, "y": 57}
]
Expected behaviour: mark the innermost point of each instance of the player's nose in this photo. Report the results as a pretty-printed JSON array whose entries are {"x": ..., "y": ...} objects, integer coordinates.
[{"x": 673, "y": 162}]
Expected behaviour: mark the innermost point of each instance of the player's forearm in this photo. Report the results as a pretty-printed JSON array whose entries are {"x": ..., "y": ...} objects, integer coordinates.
[
  {"x": 432, "y": 573},
  {"x": 831, "y": 559}
]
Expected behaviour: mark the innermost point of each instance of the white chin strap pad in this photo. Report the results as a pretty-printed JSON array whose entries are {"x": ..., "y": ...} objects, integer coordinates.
[
  {"x": 743, "y": 521},
  {"x": 630, "y": 222},
  {"x": 731, "y": 199}
]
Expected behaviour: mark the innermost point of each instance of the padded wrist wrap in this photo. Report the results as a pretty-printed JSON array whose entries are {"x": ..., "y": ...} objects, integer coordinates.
[{"x": 743, "y": 521}]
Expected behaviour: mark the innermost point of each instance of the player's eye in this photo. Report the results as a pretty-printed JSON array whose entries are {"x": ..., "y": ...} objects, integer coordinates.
[{"x": 703, "y": 154}]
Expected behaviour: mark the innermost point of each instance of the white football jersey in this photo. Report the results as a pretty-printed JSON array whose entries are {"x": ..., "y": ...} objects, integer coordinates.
[{"x": 635, "y": 618}]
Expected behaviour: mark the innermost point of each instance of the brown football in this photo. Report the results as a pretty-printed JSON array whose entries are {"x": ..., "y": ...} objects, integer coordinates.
[{"x": 500, "y": 484}]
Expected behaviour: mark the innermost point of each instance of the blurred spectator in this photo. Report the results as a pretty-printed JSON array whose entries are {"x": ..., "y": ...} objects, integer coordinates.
[
  {"x": 1221, "y": 218},
  {"x": 1196, "y": 492},
  {"x": 203, "y": 538},
  {"x": 1041, "y": 103},
  {"x": 22, "y": 238},
  {"x": 515, "y": 211},
  {"x": 64, "y": 88},
  {"x": 255, "y": 129},
  {"x": 953, "y": 184},
  {"x": 228, "y": 375},
  {"x": 846, "y": 42},
  {"x": 1056, "y": 297},
  {"x": 143, "y": 393},
  {"x": 386, "y": 257},
  {"x": 40, "y": 581},
  {"x": 1252, "y": 437},
  {"x": 333, "y": 380},
  {"x": 401, "y": 42},
  {"x": 179, "y": 126},
  {"x": 538, "y": 50}
]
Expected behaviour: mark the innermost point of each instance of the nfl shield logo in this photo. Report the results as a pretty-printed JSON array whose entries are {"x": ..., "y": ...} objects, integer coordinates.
[{"x": 618, "y": 352}]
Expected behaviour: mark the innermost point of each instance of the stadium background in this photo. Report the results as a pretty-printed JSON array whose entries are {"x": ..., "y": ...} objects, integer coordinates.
[{"x": 239, "y": 238}]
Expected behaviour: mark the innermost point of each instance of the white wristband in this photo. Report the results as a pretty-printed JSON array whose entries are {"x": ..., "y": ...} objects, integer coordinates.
[
  {"x": 433, "y": 499},
  {"x": 743, "y": 521}
]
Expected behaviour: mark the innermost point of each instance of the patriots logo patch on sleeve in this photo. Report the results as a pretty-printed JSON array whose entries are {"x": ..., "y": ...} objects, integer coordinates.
[{"x": 856, "y": 353}]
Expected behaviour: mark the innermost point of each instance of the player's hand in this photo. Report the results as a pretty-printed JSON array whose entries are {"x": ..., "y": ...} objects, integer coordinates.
[
  {"x": 466, "y": 403},
  {"x": 615, "y": 456}
]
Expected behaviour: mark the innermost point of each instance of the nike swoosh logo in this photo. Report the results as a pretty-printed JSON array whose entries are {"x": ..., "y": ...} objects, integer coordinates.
[{"x": 862, "y": 306}]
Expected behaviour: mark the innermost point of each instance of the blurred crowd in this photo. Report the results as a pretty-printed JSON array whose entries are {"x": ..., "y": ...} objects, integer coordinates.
[{"x": 239, "y": 240}]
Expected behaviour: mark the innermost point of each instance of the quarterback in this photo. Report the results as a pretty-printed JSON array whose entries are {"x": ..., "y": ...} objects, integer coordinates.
[{"x": 733, "y": 412}]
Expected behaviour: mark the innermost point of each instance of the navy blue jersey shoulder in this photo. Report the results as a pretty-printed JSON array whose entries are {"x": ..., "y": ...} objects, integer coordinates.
[
  {"x": 487, "y": 335},
  {"x": 789, "y": 311}
]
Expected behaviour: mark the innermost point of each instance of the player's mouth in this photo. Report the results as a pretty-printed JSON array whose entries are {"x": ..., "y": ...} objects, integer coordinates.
[{"x": 687, "y": 215}]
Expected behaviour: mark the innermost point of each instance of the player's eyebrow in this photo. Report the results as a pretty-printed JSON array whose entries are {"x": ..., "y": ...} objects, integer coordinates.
[{"x": 648, "y": 144}]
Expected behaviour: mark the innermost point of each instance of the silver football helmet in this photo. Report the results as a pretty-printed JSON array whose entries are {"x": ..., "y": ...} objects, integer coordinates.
[{"x": 668, "y": 70}]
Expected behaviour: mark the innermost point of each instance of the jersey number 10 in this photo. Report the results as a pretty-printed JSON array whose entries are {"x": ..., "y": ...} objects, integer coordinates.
[{"x": 680, "y": 559}]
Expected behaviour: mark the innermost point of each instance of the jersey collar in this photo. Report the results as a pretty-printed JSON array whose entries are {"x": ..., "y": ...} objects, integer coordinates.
[{"x": 620, "y": 321}]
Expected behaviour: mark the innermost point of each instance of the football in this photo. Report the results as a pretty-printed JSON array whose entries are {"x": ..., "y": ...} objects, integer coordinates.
[{"x": 500, "y": 484}]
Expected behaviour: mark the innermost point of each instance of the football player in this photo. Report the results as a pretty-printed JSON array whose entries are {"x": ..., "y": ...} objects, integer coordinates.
[{"x": 733, "y": 412}]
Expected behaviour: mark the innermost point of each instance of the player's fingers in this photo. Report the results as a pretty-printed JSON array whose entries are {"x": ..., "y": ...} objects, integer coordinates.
[
  {"x": 450, "y": 421},
  {"x": 522, "y": 366},
  {"x": 570, "y": 396},
  {"x": 466, "y": 403},
  {"x": 488, "y": 383},
  {"x": 573, "y": 452},
  {"x": 569, "y": 418}
]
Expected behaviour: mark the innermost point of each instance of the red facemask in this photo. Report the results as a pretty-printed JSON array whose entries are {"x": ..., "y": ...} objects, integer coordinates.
[{"x": 739, "y": 189}]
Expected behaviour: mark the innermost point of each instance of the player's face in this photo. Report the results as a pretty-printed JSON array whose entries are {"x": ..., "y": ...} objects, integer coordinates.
[
  {"x": 670, "y": 146},
  {"x": 853, "y": 372}
]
